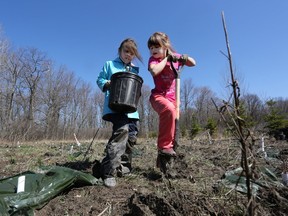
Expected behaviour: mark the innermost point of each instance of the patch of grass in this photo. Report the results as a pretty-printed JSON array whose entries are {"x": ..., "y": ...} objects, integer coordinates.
[{"x": 197, "y": 192}]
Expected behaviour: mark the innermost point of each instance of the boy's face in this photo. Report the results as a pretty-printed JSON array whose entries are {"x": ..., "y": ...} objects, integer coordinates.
[
  {"x": 126, "y": 55},
  {"x": 157, "y": 51}
]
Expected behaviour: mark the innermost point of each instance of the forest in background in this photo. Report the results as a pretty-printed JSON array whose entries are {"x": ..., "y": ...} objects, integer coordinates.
[{"x": 41, "y": 101}]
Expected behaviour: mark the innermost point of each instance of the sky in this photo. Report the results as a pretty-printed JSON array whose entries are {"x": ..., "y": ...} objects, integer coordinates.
[{"x": 82, "y": 35}]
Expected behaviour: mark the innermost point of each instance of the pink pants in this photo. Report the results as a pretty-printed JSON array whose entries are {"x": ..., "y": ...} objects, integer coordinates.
[{"x": 167, "y": 116}]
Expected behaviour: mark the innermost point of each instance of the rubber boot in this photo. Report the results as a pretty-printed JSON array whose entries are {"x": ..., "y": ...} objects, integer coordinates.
[
  {"x": 166, "y": 164},
  {"x": 126, "y": 158}
]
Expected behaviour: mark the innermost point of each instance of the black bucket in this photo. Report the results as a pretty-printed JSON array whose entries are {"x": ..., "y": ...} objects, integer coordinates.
[{"x": 125, "y": 92}]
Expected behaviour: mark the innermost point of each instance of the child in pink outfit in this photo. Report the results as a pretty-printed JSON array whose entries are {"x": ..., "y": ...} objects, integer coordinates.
[{"x": 162, "y": 96}]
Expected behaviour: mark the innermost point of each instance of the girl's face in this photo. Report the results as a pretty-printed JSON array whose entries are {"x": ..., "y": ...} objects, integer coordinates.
[
  {"x": 126, "y": 55},
  {"x": 158, "y": 51}
]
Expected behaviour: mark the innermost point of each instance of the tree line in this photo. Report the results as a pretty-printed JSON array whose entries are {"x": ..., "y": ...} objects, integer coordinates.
[{"x": 41, "y": 101}]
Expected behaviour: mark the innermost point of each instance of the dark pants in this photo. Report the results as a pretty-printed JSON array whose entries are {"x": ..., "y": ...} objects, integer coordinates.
[
  {"x": 124, "y": 132},
  {"x": 126, "y": 158}
]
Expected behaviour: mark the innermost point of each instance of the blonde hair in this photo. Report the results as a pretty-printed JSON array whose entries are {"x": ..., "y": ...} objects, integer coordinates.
[
  {"x": 131, "y": 46},
  {"x": 160, "y": 39}
]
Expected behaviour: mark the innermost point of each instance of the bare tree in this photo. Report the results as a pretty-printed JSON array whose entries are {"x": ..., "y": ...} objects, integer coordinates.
[
  {"x": 82, "y": 96},
  {"x": 254, "y": 108},
  {"x": 4, "y": 46},
  {"x": 282, "y": 106},
  {"x": 144, "y": 110},
  {"x": 12, "y": 68},
  {"x": 241, "y": 132},
  {"x": 203, "y": 104},
  {"x": 67, "y": 111},
  {"x": 35, "y": 64},
  {"x": 98, "y": 102},
  {"x": 54, "y": 94},
  {"x": 187, "y": 97}
]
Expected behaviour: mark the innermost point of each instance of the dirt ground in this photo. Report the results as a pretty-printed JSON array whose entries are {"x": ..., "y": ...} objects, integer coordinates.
[{"x": 195, "y": 187}]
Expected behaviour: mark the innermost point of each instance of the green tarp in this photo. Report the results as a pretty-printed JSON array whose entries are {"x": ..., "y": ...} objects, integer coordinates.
[
  {"x": 234, "y": 181},
  {"x": 266, "y": 178},
  {"x": 40, "y": 187}
]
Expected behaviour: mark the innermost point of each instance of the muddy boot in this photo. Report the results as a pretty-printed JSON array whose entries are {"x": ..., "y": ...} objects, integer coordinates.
[
  {"x": 166, "y": 163},
  {"x": 122, "y": 171},
  {"x": 126, "y": 163},
  {"x": 171, "y": 171},
  {"x": 126, "y": 158},
  {"x": 125, "y": 167}
]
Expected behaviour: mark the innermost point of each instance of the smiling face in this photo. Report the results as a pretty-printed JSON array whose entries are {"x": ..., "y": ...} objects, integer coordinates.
[{"x": 158, "y": 51}]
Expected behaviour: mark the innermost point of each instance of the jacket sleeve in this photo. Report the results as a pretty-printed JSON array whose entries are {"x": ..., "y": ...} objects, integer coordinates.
[{"x": 103, "y": 77}]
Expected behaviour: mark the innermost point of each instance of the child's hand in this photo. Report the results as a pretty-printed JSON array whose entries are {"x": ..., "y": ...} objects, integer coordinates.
[
  {"x": 171, "y": 56},
  {"x": 183, "y": 59},
  {"x": 107, "y": 85}
]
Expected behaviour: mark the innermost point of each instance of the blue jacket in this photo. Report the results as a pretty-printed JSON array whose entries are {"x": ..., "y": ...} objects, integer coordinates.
[{"x": 109, "y": 68}]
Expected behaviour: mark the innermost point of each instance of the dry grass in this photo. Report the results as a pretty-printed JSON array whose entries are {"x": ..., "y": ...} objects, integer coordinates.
[{"x": 197, "y": 190}]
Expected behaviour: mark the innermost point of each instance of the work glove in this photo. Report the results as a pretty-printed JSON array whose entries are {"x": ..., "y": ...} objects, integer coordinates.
[
  {"x": 171, "y": 57},
  {"x": 183, "y": 59}
]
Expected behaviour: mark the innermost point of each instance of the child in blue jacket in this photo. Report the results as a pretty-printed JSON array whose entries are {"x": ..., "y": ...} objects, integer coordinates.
[{"x": 125, "y": 125}]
